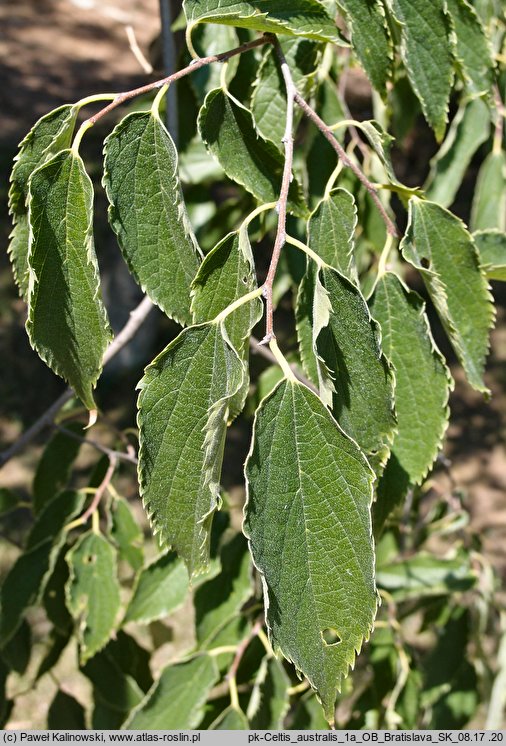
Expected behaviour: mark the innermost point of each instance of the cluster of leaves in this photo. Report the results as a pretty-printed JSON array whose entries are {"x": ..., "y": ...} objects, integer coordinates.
[{"x": 336, "y": 448}]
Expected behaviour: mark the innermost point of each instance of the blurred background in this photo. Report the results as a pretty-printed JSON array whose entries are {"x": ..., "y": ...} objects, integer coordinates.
[{"x": 58, "y": 51}]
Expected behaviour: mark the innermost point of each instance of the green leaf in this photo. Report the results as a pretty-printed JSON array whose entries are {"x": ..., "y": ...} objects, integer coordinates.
[
  {"x": 53, "y": 470},
  {"x": 127, "y": 535},
  {"x": 296, "y": 18},
  {"x": 176, "y": 701},
  {"x": 355, "y": 378},
  {"x": 8, "y": 501},
  {"x": 111, "y": 686},
  {"x": 147, "y": 211},
  {"x": 320, "y": 156},
  {"x": 226, "y": 274},
  {"x": 67, "y": 322},
  {"x": 57, "y": 644},
  {"x": 66, "y": 713},
  {"x": 472, "y": 48},
  {"x": 307, "y": 518},
  {"x": 422, "y": 380},
  {"x": 331, "y": 229},
  {"x": 426, "y": 53},
  {"x": 17, "y": 652},
  {"x": 183, "y": 412},
  {"x": 370, "y": 39},
  {"x": 426, "y": 575},
  {"x": 228, "y": 130},
  {"x": 391, "y": 491},
  {"x": 308, "y": 715},
  {"x": 219, "y": 599},
  {"x": 469, "y": 129},
  {"x": 304, "y": 324},
  {"x": 381, "y": 142},
  {"x": 268, "y": 102},
  {"x": 231, "y": 719},
  {"x": 492, "y": 249},
  {"x": 26, "y": 579},
  {"x": 105, "y": 718},
  {"x": 21, "y": 588},
  {"x": 439, "y": 246},
  {"x": 47, "y": 137},
  {"x": 54, "y": 595},
  {"x": 269, "y": 700},
  {"x": 489, "y": 203},
  {"x": 54, "y": 517},
  {"x": 5, "y": 704},
  {"x": 208, "y": 40},
  {"x": 160, "y": 589},
  {"x": 120, "y": 674},
  {"x": 92, "y": 592}
]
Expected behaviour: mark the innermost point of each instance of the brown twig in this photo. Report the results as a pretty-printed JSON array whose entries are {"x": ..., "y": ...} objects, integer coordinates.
[
  {"x": 97, "y": 497},
  {"x": 137, "y": 318},
  {"x": 241, "y": 649},
  {"x": 329, "y": 136},
  {"x": 282, "y": 207},
  {"x": 120, "y": 455},
  {"x": 194, "y": 65}
]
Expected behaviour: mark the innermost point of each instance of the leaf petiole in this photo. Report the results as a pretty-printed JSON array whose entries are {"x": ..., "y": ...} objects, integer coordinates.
[
  {"x": 79, "y": 136},
  {"x": 256, "y": 212},
  {"x": 305, "y": 248},
  {"x": 282, "y": 361},
  {"x": 237, "y": 304}
]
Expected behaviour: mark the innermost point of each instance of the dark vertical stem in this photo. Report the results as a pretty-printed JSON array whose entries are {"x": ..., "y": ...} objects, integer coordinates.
[{"x": 169, "y": 65}]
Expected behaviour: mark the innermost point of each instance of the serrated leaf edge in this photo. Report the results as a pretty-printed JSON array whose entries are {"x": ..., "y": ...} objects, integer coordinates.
[
  {"x": 277, "y": 648},
  {"x": 217, "y": 414},
  {"x": 439, "y": 289},
  {"x": 92, "y": 263},
  {"x": 86, "y": 652},
  {"x": 180, "y": 203},
  {"x": 436, "y": 353}
]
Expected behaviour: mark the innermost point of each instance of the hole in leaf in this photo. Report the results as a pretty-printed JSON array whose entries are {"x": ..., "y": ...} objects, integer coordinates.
[
  {"x": 89, "y": 559},
  {"x": 245, "y": 280},
  {"x": 331, "y": 637},
  {"x": 425, "y": 263}
]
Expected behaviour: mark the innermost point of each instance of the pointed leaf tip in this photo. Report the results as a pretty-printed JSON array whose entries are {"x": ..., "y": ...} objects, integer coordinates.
[
  {"x": 307, "y": 518},
  {"x": 67, "y": 322}
]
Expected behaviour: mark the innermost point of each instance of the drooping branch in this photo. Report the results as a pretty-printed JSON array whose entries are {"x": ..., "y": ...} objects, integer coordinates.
[
  {"x": 282, "y": 206},
  {"x": 97, "y": 497},
  {"x": 194, "y": 65},
  {"x": 137, "y": 318},
  {"x": 342, "y": 155},
  {"x": 120, "y": 455}
]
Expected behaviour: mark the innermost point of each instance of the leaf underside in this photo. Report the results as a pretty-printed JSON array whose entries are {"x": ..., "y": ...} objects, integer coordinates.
[{"x": 295, "y": 17}]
